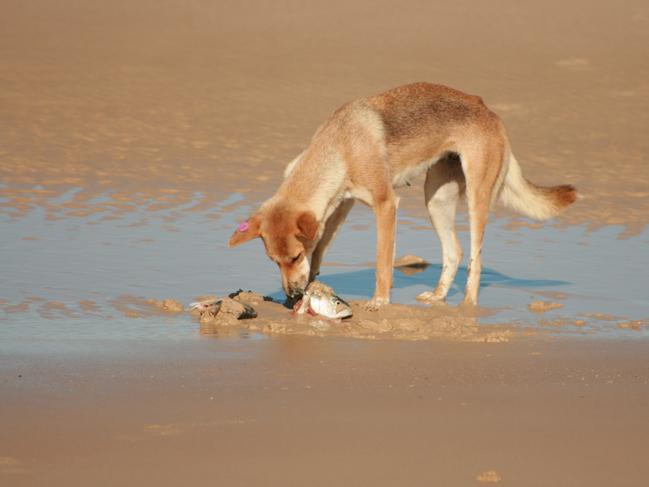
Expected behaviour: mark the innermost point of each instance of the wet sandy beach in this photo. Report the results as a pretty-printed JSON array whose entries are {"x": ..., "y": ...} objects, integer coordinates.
[
  {"x": 139, "y": 102},
  {"x": 304, "y": 411},
  {"x": 135, "y": 136}
]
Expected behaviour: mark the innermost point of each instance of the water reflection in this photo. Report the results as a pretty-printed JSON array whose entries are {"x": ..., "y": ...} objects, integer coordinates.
[{"x": 76, "y": 275}]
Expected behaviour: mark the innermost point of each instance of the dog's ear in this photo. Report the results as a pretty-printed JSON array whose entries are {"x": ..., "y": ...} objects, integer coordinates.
[
  {"x": 246, "y": 231},
  {"x": 308, "y": 225}
]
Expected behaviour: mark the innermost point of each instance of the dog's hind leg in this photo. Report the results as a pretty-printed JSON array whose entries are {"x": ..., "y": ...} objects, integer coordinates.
[
  {"x": 443, "y": 187},
  {"x": 331, "y": 227},
  {"x": 481, "y": 164}
]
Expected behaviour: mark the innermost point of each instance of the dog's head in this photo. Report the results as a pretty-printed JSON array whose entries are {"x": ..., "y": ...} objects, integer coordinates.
[{"x": 289, "y": 238}]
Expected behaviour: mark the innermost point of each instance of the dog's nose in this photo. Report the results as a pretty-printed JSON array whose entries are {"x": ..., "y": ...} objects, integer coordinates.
[
  {"x": 293, "y": 296},
  {"x": 295, "y": 293}
]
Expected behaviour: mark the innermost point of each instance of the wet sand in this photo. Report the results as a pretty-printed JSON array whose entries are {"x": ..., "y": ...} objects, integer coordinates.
[
  {"x": 149, "y": 105},
  {"x": 135, "y": 135},
  {"x": 391, "y": 322},
  {"x": 305, "y": 411}
]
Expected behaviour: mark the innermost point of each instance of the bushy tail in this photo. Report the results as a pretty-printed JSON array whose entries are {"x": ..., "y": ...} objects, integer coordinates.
[{"x": 536, "y": 202}]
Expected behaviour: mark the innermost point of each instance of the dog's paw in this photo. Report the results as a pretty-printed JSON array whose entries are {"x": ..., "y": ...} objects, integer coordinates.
[
  {"x": 469, "y": 302},
  {"x": 431, "y": 297},
  {"x": 375, "y": 303}
]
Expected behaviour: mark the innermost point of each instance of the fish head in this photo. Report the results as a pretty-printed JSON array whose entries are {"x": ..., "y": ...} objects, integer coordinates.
[
  {"x": 342, "y": 309},
  {"x": 330, "y": 306}
]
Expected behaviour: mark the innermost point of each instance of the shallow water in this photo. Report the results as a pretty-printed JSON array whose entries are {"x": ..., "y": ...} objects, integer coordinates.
[{"x": 86, "y": 278}]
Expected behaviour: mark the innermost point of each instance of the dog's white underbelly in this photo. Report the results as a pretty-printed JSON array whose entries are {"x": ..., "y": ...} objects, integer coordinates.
[
  {"x": 410, "y": 173},
  {"x": 402, "y": 178},
  {"x": 361, "y": 194}
]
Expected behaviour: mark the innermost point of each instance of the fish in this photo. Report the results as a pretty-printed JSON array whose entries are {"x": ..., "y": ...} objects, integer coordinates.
[{"x": 320, "y": 300}]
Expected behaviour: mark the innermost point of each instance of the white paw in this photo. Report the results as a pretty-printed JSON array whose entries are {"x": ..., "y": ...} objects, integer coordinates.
[
  {"x": 469, "y": 302},
  {"x": 431, "y": 297}
]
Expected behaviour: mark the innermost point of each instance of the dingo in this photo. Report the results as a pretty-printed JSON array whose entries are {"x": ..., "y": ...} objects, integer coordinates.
[{"x": 371, "y": 146}]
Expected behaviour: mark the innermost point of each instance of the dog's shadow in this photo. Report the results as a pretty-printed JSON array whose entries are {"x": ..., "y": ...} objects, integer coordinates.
[{"x": 361, "y": 282}]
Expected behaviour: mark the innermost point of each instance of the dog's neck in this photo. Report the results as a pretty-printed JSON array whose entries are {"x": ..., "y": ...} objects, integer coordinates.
[{"x": 314, "y": 184}]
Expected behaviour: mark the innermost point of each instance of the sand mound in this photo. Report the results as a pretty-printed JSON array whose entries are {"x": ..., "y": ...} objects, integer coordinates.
[{"x": 391, "y": 322}]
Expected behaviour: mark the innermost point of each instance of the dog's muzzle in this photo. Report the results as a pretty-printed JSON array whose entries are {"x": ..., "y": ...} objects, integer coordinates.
[
  {"x": 295, "y": 293},
  {"x": 293, "y": 297}
]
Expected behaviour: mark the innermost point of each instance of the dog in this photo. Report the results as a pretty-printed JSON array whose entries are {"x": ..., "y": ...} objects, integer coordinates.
[{"x": 369, "y": 147}]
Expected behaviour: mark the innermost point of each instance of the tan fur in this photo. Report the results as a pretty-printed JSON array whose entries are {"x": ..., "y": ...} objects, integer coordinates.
[{"x": 370, "y": 146}]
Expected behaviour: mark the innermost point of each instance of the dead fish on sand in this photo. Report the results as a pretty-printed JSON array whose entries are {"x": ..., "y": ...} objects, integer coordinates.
[{"x": 320, "y": 300}]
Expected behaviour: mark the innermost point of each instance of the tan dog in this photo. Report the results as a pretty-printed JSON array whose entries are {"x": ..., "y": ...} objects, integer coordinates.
[{"x": 371, "y": 146}]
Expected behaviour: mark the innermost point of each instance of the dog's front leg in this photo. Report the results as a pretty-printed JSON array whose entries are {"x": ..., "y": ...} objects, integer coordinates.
[
  {"x": 328, "y": 235},
  {"x": 386, "y": 223}
]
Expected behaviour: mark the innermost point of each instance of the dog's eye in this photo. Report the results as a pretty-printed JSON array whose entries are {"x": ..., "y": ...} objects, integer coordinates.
[{"x": 296, "y": 258}]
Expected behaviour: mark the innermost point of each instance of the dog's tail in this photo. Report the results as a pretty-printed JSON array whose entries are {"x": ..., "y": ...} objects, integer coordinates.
[{"x": 537, "y": 202}]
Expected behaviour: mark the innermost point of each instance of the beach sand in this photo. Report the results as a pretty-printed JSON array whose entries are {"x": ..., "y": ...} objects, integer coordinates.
[
  {"x": 134, "y": 136},
  {"x": 152, "y": 103},
  {"x": 305, "y": 411}
]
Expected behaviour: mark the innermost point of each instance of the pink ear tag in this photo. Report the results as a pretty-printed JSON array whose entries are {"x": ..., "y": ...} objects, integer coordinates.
[{"x": 244, "y": 227}]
